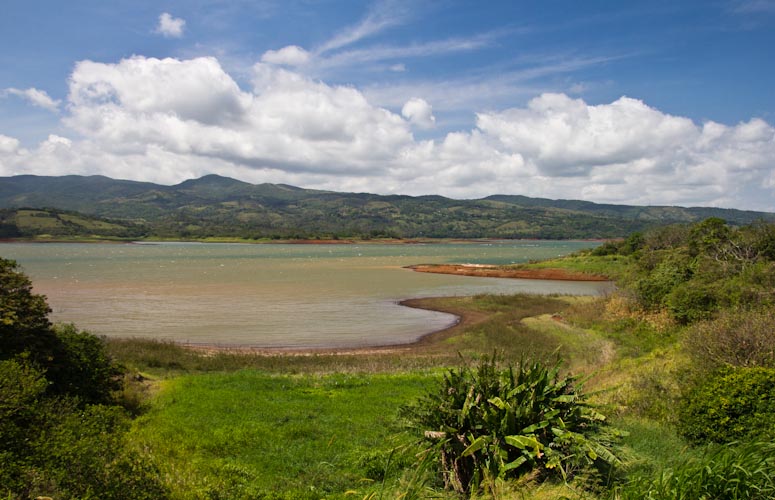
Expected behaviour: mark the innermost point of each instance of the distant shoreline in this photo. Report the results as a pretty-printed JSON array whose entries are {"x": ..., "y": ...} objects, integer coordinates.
[{"x": 307, "y": 241}]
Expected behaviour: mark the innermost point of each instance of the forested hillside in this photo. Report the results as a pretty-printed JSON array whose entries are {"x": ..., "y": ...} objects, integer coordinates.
[{"x": 216, "y": 206}]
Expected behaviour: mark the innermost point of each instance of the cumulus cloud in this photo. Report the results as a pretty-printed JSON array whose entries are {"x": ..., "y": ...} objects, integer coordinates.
[
  {"x": 170, "y": 27},
  {"x": 194, "y": 107},
  {"x": 292, "y": 55},
  {"x": 8, "y": 145},
  {"x": 35, "y": 97},
  {"x": 419, "y": 113},
  {"x": 166, "y": 120}
]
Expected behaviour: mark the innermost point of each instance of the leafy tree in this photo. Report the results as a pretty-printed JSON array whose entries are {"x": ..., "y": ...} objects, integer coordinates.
[
  {"x": 75, "y": 363},
  {"x": 24, "y": 324}
]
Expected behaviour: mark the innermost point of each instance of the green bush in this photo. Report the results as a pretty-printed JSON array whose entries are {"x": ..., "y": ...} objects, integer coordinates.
[
  {"x": 81, "y": 367},
  {"x": 690, "y": 302},
  {"x": 669, "y": 271},
  {"x": 53, "y": 446},
  {"x": 730, "y": 405},
  {"x": 736, "y": 337},
  {"x": 487, "y": 423}
]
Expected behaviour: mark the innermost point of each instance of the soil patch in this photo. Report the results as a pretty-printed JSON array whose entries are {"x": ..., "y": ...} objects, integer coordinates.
[{"x": 506, "y": 272}]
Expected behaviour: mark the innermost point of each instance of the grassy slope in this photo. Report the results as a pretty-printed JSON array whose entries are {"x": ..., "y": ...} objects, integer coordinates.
[{"x": 248, "y": 432}]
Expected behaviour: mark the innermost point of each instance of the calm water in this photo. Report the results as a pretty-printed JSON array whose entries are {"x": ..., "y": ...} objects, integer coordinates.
[{"x": 268, "y": 295}]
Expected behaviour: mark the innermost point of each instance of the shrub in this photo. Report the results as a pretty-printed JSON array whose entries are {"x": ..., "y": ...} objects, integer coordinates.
[
  {"x": 81, "y": 367},
  {"x": 690, "y": 302},
  {"x": 737, "y": 337},
  {"x": 489, "y": 423},
  {"x": 732, "y": 404}
]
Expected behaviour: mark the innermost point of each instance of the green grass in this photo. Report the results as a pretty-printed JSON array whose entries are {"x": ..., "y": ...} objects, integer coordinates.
[
  {"x": 613, "y": 266},
  {"x": 249, "y": 433}
]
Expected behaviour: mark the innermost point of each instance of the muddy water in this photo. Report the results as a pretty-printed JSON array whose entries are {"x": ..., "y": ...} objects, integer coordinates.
[{"x": 268, "y": 295}]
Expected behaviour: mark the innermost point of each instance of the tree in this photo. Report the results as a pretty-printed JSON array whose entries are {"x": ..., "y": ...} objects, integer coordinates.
[
  {"x": 74, "y": 363},
  {"x": 24, "y": 323}
]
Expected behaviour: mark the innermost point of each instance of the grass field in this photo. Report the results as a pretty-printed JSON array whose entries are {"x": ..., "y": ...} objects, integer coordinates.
[{"x": 249, "y": 433}]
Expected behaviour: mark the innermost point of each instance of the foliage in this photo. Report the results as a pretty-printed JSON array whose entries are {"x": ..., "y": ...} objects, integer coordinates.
[
  {"x": 75, "y": 363},
  {"x": 693, "y": 271},
  {"x": 736, "y": 337},
  {"x": 732, "y": 472},
  {"x": 55, "y": 446},
  {"x": 732, "y": 404},
  {"x": 82, "y": 367},
  {"x": 54, "y": 437},
  {"x": 51, "y": 223},
  {"x": 24, "y": 324},
  {"x": 489, "y": 423}
]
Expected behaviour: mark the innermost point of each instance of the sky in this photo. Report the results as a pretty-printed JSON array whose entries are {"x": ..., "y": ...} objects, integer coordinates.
[{"x": 646, "y": 103}]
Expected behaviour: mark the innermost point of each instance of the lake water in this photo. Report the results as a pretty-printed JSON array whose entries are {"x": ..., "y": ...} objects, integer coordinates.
[{"x": 269, "y": 295}]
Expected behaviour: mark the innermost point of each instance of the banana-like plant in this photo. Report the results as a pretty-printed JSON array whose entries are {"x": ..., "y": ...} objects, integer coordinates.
[{"x": 486, "y": 423}]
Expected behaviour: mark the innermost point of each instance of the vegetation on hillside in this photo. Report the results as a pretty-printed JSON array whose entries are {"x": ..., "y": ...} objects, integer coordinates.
[
  {"x": 219, "y": 207},
  {"x": 57, "y": 224}
]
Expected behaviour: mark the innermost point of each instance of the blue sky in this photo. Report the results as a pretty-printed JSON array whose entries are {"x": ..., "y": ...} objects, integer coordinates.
[{"x": 623, "y": 102}]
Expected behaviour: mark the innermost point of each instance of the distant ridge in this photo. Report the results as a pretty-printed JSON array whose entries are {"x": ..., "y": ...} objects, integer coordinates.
[{"x": 217, "y": 206}]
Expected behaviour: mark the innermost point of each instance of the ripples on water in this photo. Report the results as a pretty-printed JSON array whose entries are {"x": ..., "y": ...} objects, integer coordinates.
[{"x": 269, "y": 295}]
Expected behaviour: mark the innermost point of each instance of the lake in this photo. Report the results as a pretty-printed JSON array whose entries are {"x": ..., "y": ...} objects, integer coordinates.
[{"x": 270, "y": 295}]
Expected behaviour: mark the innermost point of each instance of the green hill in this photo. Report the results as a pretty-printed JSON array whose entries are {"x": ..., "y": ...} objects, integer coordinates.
[
  {"x": 52, "y": 223},
  {"x": 215, "y": 206}
]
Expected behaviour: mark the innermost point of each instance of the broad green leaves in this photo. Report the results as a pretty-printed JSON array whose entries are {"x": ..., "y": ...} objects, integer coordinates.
[{"x": 487, "y": 423}]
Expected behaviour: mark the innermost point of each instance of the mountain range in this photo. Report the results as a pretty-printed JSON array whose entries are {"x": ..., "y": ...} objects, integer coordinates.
[{"x": 220, "y": 207}]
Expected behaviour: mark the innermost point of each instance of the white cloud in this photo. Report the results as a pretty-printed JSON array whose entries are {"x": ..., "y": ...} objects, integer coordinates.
[
  {"x": 194, "y": 108},
  {"x": 170, "y": 27},
  {"x": 350, "y": 58},
  {"x": 419, "y": 113},
  {"x": 166, "y": 120},
  {"x": 382, "y": 15},
  {"x": 195, "y": 89},
  {"x": 8, "y": 145},
  {"x": 292, "y": 55},
  {"x": 565, "y": 136},
  {"x": 754, "y": 6},
  {"x": 35, "y": 97}
]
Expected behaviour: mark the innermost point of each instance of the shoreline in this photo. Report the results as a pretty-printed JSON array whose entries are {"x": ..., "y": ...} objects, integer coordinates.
[
  {"x": 303, "y": 241},
  {"x": 491, "y": 271},
  {"x": 463, "y": 319}
]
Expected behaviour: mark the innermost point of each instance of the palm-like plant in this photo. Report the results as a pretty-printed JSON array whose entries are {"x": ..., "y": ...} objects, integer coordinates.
[{"x": 487, "y": 423}]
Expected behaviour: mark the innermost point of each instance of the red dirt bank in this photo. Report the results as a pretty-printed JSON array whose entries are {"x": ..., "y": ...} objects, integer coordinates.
[{"x": 506, "y": 272}]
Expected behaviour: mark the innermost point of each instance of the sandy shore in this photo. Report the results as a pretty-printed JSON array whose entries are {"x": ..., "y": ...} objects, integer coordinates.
[{"x": 506, "y": 272}]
